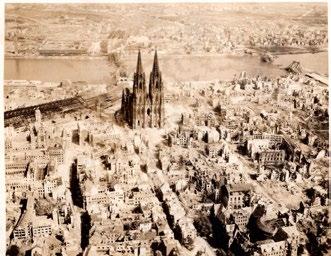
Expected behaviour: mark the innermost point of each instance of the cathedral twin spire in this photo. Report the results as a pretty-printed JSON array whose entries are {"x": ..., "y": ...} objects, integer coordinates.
[
  {"x": 141, "y": 108},
  {"x": 155, "y": 75},
  {"x": 155, "y": 69}
]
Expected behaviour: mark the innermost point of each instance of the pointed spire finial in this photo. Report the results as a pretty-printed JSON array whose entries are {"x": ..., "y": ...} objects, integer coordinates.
[
  {"x": 139, "y": 64},
  {"x": 156, "y": 63}
]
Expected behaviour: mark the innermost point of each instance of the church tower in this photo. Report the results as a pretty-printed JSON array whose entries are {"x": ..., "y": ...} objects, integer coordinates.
[
  {"x": 155, "y": 113},
  {"x": 139, "y": 96},
  {"x": 142, "y": 108}
]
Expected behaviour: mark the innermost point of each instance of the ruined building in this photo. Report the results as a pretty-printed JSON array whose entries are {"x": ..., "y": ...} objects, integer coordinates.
[{"x": 141, "y": 108}]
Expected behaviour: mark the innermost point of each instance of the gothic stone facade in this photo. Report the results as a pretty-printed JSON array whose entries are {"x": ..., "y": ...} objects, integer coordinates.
[{"x": 142, "y": 108}]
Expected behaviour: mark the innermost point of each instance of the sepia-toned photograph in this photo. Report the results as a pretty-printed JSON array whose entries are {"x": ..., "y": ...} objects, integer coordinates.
[{"x": 166, "y": 129}]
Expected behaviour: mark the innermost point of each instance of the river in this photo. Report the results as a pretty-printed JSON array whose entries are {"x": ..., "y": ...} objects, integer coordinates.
[{"x": 173, "y": 68}]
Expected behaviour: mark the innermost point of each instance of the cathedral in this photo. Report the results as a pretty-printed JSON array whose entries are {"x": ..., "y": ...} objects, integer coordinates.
[{"x": 141, "y": 107}]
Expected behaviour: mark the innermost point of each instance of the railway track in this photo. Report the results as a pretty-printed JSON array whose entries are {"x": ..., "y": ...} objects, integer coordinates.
[
  {"x": 57, "y": 105},
  {"x": 22, "y": 116}
]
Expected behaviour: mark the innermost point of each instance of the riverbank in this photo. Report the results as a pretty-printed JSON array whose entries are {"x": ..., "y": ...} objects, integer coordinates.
[
  {"x": 249, "y": 51},
  {"x": 288, "y": 50},
  {"x": 38, "y": 57},
  {"x": 105, "y": 57}
]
